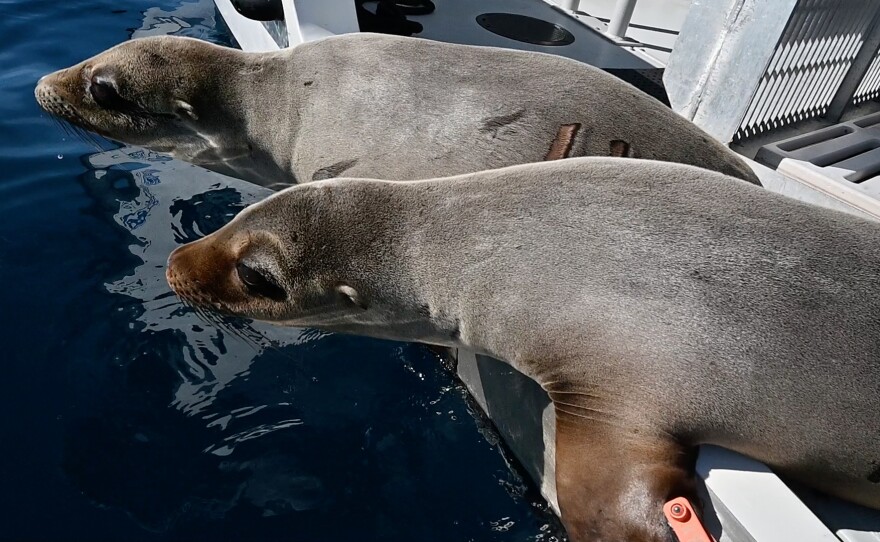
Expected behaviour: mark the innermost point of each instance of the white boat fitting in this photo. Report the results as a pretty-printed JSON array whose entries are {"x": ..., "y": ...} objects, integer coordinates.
[{"x": 804, "y": 59}]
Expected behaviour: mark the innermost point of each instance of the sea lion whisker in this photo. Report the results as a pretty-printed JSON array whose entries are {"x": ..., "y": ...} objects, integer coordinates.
[
  {"x": 63, "y": 125},
  {"x": 85, "y": 136},
  {"x": 580, "y": 393},
  {"x": 249, "y": 332},
  {"x": 275, "y": 348},
  {"x": 221, "y": 322},
  {"x": 254, "y": 335},
  {"x": 582, "y": 407},
  {"x": 232, "y": 330},
  {"x": 597, "y": 419},
  {"x": 621, "y": 424},
  {"x": 195, "y": 310},
  {"x": 239, "y": 328},
  {"x": 94, "y": 139},
  {"x": 211, "y": 317},
  {"x": 200, "y": 313},
  {"x": 76, "y": 132}
]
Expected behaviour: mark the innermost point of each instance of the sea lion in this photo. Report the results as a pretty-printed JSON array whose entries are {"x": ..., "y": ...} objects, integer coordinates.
[
  {"x": 660, "y": 305},
  {"x": 365, "y": 105}
]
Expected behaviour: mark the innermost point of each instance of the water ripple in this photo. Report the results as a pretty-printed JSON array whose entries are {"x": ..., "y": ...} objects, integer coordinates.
[{"x": 256, "y": 432}]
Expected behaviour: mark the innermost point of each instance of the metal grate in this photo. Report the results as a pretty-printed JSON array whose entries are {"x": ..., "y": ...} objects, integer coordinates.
[
  {"x": 811, "y": 60},
  {"x": 869, "y": 88},
  {"x": 851, "y": 148}
]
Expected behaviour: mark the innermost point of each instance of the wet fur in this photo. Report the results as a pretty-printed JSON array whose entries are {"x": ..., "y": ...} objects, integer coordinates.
[{"x": 661, "y": 306}]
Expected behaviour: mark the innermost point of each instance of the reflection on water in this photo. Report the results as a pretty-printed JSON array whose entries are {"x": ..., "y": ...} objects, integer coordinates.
[
  {"x": 190, "y": 18},
  {"x": 195, "y": 203},
  {"x": 127, "y": 417},
  {"x": 268, "y": 419}
]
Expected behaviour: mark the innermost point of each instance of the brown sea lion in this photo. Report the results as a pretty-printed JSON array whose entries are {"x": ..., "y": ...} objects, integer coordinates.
[
  {"x": 365, "y": 105},
  {"x": 661, "y": 306}
]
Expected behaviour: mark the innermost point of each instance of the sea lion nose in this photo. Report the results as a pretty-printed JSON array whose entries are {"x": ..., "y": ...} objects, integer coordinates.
[
  {"x": 48, "y": 88},
  {"x": 203, "y": 273},
  {"x": 200, "y": 269},
  {"x": 179, "y": 255},
  {"x": 50, "y": 79},
  {"x": 43, "y": 86},
  {"x": 179, "y": 266}
]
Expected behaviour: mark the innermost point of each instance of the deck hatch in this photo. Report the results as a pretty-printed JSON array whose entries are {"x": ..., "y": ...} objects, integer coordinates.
[{"x": 525, "y": 29}]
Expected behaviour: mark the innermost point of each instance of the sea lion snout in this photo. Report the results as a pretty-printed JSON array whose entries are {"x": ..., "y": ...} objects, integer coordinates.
[
  {"x": 226, "y": 272},
  {"x": 55, "y": 96},
  {"x": 50, "y": 83},
  {"x": 121, "y": 95},
  {"x": 203, "y": 273}
]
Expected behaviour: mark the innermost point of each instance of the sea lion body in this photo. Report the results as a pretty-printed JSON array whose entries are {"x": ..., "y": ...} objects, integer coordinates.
[
  {"x": 661, "y": 306},
  {"x": 365, "y": 105}
]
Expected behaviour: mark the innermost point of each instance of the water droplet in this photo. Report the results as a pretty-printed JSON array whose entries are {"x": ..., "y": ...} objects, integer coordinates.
[{"x": 60, "y": 156}]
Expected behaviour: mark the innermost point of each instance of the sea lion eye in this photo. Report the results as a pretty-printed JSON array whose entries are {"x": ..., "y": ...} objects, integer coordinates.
[
  {"x": 103, "y": 93},
  {"x": 258, "y": 284}
]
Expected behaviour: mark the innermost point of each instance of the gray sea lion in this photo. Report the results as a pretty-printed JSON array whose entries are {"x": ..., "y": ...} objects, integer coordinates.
[
  {"x": 660, "y": 305},
  {"x": 365, "y": 105}
]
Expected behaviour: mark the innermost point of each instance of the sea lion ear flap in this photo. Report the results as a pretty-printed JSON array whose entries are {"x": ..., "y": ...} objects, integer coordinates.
[
  {"x": 184, "y": 110},
  {"x": 351, "y": 295}
]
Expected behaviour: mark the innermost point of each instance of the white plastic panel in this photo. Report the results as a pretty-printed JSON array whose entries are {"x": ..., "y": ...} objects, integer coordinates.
[
  {"x": 753, "y": 504},
  {"x": 831, "y": 182},
  {"x": 310, "y": 20},
  {"x": 251, "y": 35}
]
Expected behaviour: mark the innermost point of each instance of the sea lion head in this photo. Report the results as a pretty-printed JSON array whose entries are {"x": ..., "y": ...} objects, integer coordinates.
[
  {"x": 154, "y": 92},
  {"x": 290, "y": 260}
]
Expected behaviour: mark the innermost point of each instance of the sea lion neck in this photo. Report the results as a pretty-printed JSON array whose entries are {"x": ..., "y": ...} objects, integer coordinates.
[
  {"x": 256, "y": 113},
  {"x": 242, "y": 96}
]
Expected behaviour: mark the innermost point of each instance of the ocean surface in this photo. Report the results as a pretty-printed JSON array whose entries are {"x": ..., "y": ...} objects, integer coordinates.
[{"x": 123, "y": 416}]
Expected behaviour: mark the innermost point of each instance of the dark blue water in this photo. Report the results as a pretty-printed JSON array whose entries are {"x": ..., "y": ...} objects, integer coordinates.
[{"x": 125, "y": 417}]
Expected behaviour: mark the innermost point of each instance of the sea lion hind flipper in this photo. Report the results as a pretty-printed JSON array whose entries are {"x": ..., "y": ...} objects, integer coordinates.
[{"x": 612, "y": 482}]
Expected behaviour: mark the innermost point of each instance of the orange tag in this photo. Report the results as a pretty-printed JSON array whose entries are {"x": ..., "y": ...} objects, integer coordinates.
[{"x": 684, "y": 521}]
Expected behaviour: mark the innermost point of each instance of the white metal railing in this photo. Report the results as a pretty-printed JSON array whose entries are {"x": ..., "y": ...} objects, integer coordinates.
[
  {"x": 619, "y": 22},
  {"x": 869, "y": 88},
  {"x": 814, "y": 55},
  {"x": 620, "y": 19},
  {"x": 742, "y": 68}
]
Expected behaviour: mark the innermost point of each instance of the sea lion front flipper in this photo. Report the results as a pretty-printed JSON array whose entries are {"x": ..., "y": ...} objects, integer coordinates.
[{"x": 612, "y": 482}]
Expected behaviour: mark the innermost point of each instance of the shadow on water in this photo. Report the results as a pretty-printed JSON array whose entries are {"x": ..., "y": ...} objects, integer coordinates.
[{"x": 131, "y": 418}]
